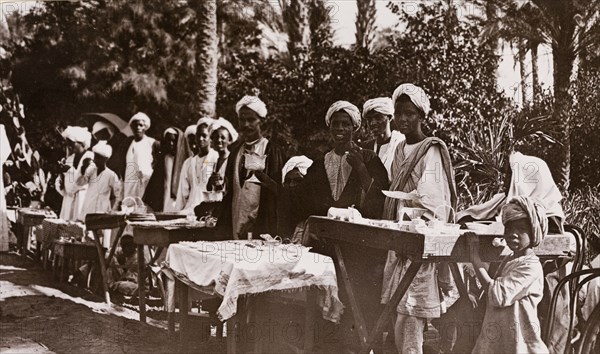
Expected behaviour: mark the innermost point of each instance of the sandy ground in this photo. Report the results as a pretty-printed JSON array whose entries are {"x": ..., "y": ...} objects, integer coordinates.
[{"x": 40, "y": 315}]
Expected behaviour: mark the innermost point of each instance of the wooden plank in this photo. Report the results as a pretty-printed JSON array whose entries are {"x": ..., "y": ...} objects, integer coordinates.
[
  {"x": 104, "y": 221},
  {"x": 141, "y": 282},
  {"x": 103, "y": 267},
  {"x": 356, "y": 311},
  {"x": 390, "y": 307}
]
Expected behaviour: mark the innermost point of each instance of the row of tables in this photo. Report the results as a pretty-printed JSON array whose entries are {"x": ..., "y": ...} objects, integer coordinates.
[{"x": 358, "y": 252}]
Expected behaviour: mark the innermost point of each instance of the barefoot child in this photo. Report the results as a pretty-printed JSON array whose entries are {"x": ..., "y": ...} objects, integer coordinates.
[{"x": 511, "y": 323}]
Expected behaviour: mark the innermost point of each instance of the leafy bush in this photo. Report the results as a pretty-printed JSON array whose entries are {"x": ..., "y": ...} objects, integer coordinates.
[{"x": 582, "y": 208}]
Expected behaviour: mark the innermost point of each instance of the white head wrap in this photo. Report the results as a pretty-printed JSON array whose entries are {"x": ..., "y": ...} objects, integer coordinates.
[
  {"x": 170, "y": 131},
  {"x": 141, "y": 116},
  {"x": 416, "y": 95},
  {"x": 206, "y": 120},
  {"x": 254, "y": 103},
  {"x": 99, "y": 125},
  {"x": 224, "y": 123},
  {"x": 302, "y": 163},
  {"x": 78, "y": 135},
  {"x": 383, "y": 105},
  {"x": 190, "y": 130},
  {"x": 347, "y": 107},
  {"x": 102, "y": 149},
  {"x": 527, "y": 208}
]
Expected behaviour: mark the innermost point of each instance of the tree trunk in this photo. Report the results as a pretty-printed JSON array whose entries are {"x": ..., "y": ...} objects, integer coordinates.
[
  {"x": 296, "y": 18},
  {"x": 564, "y": 57},
  {"x": 522, "y": 50},
  {"x": 207, "y": 55},
  {"x": 537, "y": 88},
  {"x": 365, "y": 23}
]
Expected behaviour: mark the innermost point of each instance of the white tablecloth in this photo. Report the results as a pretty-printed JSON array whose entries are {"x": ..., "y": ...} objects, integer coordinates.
[{"x": 234, "y": 268}]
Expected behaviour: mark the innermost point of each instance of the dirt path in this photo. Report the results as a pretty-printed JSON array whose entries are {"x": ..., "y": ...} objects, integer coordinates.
[{"x": 39, "y": 315}]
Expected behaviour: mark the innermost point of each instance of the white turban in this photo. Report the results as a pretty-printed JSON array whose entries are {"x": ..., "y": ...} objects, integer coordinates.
[
  {"x": 99, "y": 125},
  {"x": 102, "y": 149},
  {"x": 527, "y": 208},
  {"x": 302, "y": 163},
  {"x": 416, "y": 95},
  {"x": 383, "y": 105},
  {"x": 142, "y": 117},
  {"x": 224, "y": 123},
  {"x": 206, "y": 120},
  {"x": 190, "y": 130},
  {"x": 254, "y": 103},
  {"x": 79, "y": 135},
  {"x": 347, "y": 107}
]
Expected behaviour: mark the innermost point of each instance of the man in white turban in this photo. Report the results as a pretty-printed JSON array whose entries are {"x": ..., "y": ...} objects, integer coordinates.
[
  {"x": 138, "y": 157},
  {"x": 102, "y": 130},
  {"x": 253, "y": 206},
  {"x": 254, "y": 103},
  {"x": 103, "y": 185},
  {"x": 347, "y": 107},
  {"x": 296, "y": 163},
  {"x": 422, "y": 167},
  {"x": 379, "y": 113},
  {"x": 416, "y": 94},
  {"x": 78, "y": 140}
]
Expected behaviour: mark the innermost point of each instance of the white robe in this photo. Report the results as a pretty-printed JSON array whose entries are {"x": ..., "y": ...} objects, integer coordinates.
[
  {"x": 169, "y": 203},
  {"x": 100, "y": 187},
  {"x": 195, "y": 173},
  {"x": 4, "y": 226},
  {"x": 73, "y": 194},
  {"x": 139, "y": 159},
  {"x": 387, "y": 152}
]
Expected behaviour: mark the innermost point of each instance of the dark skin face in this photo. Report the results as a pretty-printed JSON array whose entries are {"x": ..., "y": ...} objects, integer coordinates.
[
  {"x": 202, "y": 140},
  {"x": 250, "y": 124},
  {"x": 341, "y": 130},
  {"x": 139, "y": 129},
  {"x": 192, "y": 143},
  {"x": 408, "y": 119},
  {"x": 103, "y": 134},
  {"x": 100, "y": 162},
  {"x": 220, "y": 140},
  {"x": 128, "y": 246},
  {"x": 379, "y": 124},
  {"x": 293, "y": 178},
  {"x": 517, "y": 234},
  {"x": 170, "y": 143},
  {"x": 77, "y": 148}
]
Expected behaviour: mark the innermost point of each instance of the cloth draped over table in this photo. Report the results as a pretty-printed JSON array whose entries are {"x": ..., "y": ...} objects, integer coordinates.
[
  {"x": 230, "y": 269},
  {"x": 530, "y": 177},
  {"x": 424, "y": 168}
]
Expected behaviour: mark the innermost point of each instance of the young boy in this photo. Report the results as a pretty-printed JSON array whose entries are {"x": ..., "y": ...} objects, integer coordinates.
[
  {"x": 511, "y": 324},
  {"x": 122, "y": 273},
  {"x": 196, "y": 171}
]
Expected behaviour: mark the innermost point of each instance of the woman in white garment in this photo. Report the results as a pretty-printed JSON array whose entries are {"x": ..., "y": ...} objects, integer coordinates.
[
  {"x": 79, "y": 140},
  {"x": 379, "y": 113},
  {"x": 196, "y": 171}
]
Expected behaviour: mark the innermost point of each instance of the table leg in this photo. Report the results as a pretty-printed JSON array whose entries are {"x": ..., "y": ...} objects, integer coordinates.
[
  {"x": 232, "y": 334},
  {"x": 115, "y": 242},
  {"x": 458, "y": 280},
  {"x": 141, "y": 282},
  {"x": 182, "y": 289},
  {"x": 62, "y": 269},
  {"x": 356, "y": 311},
  {"x": 102, "y": 265},
  {"x": 309, "y": 320},
  {"x": 390, "y": 307}
]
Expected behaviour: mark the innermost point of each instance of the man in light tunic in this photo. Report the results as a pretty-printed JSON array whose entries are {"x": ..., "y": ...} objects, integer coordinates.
[
  {"x": 138, "y": 160},
  {"x": 79, "y": 140}
]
